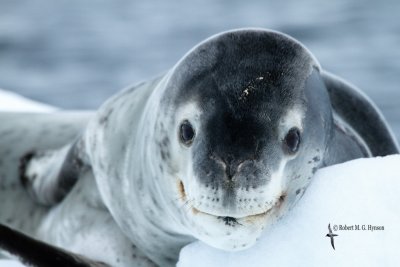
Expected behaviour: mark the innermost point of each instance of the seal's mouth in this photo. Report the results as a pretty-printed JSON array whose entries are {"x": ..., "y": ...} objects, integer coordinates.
[{"x": 230, "y": 220}]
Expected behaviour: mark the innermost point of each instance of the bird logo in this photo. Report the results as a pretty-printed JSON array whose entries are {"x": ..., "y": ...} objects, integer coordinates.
[{"x": 331, "y": 235}]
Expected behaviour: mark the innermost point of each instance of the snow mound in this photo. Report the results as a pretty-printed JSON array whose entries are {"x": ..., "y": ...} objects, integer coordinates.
[
  {"x": 360, "y": 193},
  {"x": 13, "y": 102}
]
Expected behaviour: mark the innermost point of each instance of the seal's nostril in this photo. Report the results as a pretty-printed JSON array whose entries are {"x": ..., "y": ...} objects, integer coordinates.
[
  {"x": 240, "y": 166},
  {"x": 234, "y": 167},
  {"x": 229, "y": 172},
  {"x": 230, "y": 165}
]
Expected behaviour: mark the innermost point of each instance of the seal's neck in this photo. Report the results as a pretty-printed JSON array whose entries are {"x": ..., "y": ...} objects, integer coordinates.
[
  {"x": 150, "y": 191},
  {"x": 161, "y": 184}
]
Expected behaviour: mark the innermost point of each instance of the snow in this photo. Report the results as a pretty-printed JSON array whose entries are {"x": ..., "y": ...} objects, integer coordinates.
[
  {"x": 360, "y": 192},
  {"x": 10, "y": 263},
  {"x": 13, "y": 102}
]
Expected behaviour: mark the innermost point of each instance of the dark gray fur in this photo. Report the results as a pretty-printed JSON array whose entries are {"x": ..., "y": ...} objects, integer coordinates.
[
  {"x": 356, "y": 109},
  {"x": 53, "y": 191}
]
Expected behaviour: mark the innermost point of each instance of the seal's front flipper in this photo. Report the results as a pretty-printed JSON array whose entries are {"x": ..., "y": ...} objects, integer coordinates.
[
  {"x": 39, "y": 254},
  {"x": 48, "y": 176},
  {"x": 352, "y": 106}
]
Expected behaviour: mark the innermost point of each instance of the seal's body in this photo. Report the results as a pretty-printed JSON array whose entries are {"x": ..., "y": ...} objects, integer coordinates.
[{"x": 217, "y": 149}]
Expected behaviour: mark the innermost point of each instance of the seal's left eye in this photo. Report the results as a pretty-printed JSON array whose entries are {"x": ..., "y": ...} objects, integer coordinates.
[
  {"x": 292, "y": 140},
  {"x": 186, "y": 133}
]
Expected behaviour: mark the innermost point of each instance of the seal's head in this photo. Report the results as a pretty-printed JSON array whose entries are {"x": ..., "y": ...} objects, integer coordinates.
[{"x": 251, "y": 120}]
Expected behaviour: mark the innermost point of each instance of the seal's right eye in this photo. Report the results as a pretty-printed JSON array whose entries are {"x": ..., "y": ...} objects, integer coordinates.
[
  {"x": 292, "y": 140},
  {"x": 186, "y": 133}
]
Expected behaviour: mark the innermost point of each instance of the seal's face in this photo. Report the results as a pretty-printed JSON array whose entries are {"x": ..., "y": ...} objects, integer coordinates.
[{"x": 243, "y": 136}]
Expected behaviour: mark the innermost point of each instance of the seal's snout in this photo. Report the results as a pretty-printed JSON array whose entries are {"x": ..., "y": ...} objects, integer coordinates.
[{"x": 231, "y": 166}]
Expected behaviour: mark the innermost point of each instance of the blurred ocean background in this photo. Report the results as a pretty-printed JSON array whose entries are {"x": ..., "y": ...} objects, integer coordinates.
[{"x": 75, "y": 54}]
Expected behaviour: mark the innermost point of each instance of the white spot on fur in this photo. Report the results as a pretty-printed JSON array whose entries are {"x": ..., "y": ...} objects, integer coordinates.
[{"x": 293, "y": 118}]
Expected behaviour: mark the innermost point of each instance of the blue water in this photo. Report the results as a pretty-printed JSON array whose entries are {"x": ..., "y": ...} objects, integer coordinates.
[{"x": 75, "y": 54}]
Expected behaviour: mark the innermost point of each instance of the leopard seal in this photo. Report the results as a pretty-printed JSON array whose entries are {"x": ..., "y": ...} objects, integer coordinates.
[{"x": 217, "y": 149}]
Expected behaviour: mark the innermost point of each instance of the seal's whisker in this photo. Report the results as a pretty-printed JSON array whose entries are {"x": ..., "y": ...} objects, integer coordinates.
[
  {"x": 180, "y": 198},
  {"x": 184, "y": 204},
  {"x": 188, "y": 205}
]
